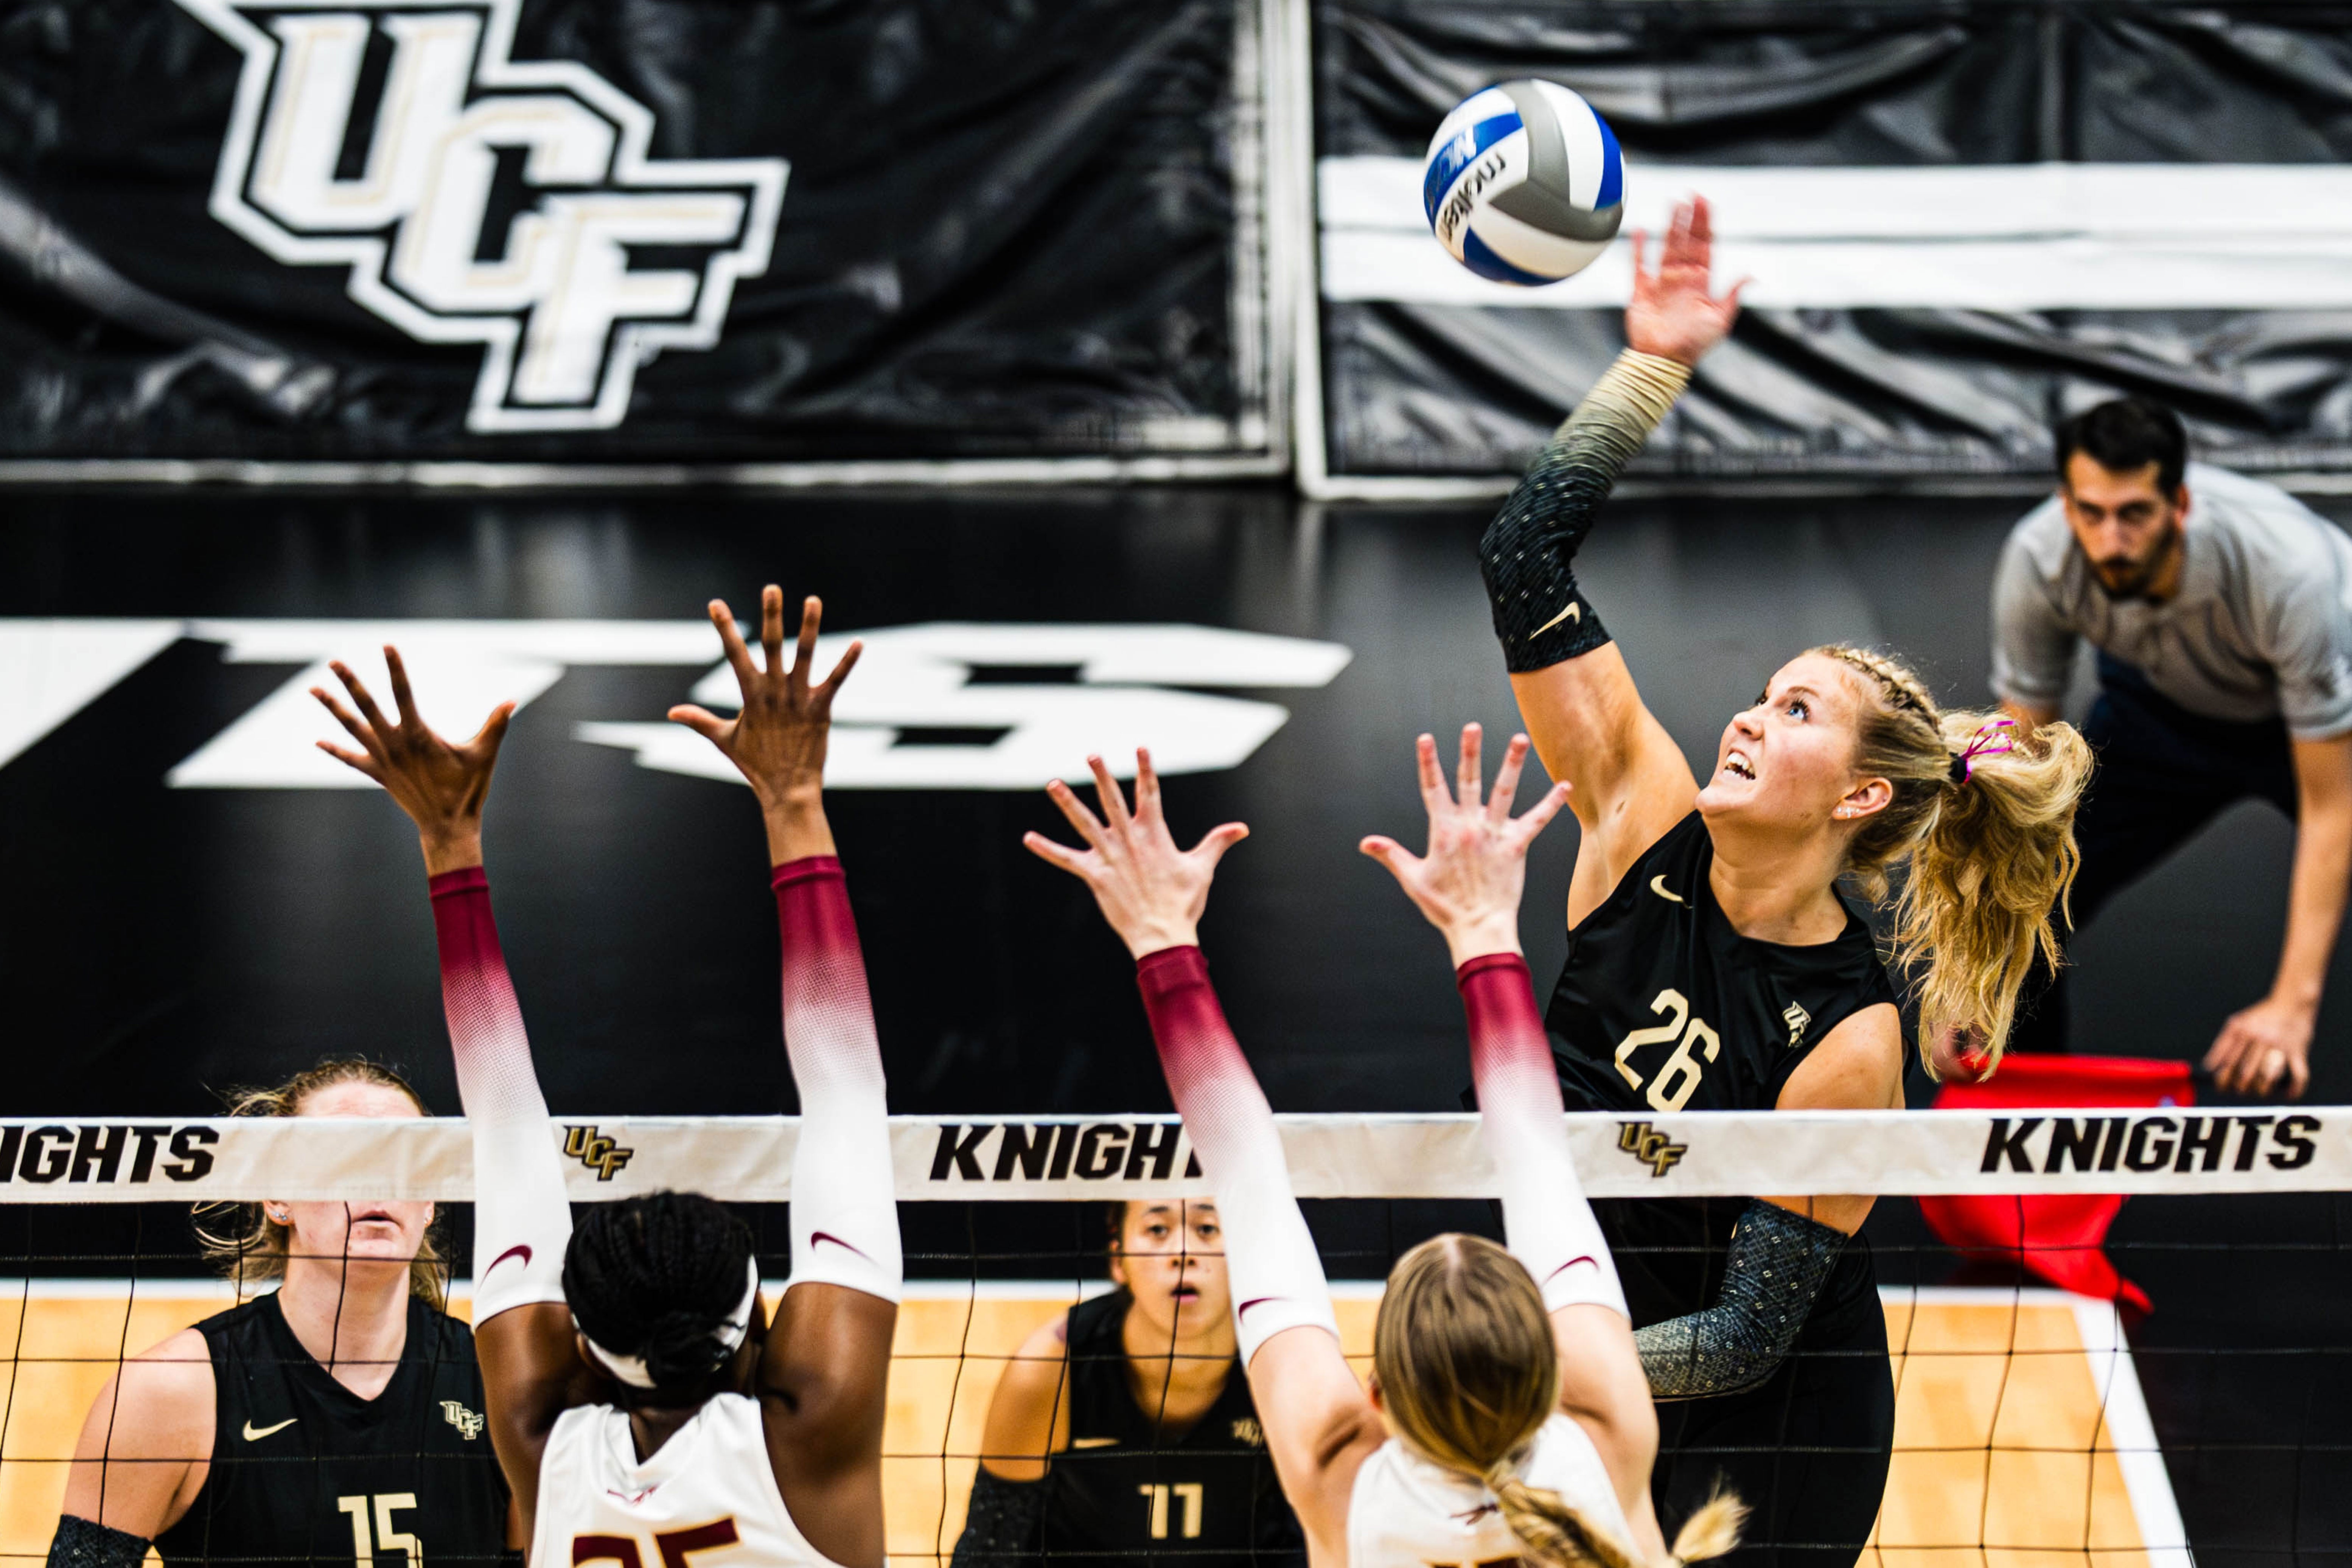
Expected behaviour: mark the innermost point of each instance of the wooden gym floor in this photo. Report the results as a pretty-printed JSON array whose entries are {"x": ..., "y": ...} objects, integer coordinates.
[{"x": 2021, "y": 1437}]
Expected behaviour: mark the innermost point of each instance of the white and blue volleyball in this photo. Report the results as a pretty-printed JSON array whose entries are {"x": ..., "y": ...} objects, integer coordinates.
[{"x": 1524, "y": 184}]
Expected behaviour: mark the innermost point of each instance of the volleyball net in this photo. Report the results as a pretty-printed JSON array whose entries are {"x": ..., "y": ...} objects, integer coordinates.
[{"x": 2033, "y": 1425}]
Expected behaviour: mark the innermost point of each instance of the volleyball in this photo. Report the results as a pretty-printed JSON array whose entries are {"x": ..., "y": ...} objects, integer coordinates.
[{"x": 1523, "y": 182}]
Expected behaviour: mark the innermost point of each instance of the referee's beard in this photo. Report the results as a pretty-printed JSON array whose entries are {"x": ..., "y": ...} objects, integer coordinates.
[{"x": 2132, "y": 576}]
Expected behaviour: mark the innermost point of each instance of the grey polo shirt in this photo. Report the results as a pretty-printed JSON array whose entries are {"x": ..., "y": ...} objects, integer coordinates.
[{"x": 2261, "y": 625}]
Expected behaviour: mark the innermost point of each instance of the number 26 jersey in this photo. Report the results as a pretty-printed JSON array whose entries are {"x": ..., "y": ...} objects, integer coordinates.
[{"x": 1662, "y": 1007}]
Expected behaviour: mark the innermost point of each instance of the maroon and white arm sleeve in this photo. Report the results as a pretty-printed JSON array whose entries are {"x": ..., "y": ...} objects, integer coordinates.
[
  {"x": 1548, "y": 1224},
  {"x": 1270, "y": 1260},
  {"x": 522, "y": 1221},
  {"x": 845, "y": 1195}
]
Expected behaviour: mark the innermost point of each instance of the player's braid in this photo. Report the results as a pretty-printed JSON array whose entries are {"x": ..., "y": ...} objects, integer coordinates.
[
  {"x": 656, "y": 1277},
  {"x": 1984, "y": 816}
]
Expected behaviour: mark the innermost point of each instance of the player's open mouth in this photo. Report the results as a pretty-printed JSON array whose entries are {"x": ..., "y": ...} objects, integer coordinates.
[
  {"x": 1736, "y": 764},
  {"x": 1185, "y": 1293}
]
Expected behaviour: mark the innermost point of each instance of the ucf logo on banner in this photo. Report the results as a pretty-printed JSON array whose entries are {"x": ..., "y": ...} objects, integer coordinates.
[{"x": 564, "y": 318}]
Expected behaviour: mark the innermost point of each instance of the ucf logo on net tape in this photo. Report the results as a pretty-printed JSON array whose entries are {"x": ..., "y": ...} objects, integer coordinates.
[{"x": 563, "y": 317}]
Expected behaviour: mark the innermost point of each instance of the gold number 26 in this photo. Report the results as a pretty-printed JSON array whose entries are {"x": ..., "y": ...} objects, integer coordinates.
[{"x": 1677, "y": 1080}]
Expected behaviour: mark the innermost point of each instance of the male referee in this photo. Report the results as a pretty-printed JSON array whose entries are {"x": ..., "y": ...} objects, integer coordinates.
[{"x": 2222, "y": 611}]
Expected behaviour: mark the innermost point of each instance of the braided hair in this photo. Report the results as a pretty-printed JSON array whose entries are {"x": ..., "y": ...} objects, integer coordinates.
[
  {"x": 658, "y": 1278},
  {"x": 1988, "y": 836}
]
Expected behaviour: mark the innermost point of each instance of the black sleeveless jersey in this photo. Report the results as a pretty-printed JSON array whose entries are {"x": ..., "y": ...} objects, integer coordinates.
[
  {"x": 304, "y": 1470},
  {"x": 1663, "y": 1007},
  {"x": 1126, "y": 1491}
]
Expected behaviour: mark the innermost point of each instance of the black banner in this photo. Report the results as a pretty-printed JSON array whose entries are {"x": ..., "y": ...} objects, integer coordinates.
[
  {"x": 1964, "y": 218},
  {"x": 674, "y": 230}
]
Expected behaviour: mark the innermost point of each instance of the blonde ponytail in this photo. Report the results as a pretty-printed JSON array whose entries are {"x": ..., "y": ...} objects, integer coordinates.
[
  {"x": 1469, "y": 1372},
  {"x": 1985, "y": 817}
]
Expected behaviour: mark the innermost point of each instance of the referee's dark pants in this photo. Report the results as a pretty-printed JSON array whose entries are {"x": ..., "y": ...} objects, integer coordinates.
[{"x": 2163, "y": 773}]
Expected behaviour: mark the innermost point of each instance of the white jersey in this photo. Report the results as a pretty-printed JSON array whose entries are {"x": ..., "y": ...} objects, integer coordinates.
[
  {"x": 708, "y": 1489},
  {"x": 1406, "y": 1512}
]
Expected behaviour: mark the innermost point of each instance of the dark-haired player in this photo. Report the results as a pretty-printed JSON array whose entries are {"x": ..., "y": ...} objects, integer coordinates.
[
  {"x": 643, "y": 1413},
  {"x": 2221, "y": 610},
  {"x": 1123, "y": 1430}
]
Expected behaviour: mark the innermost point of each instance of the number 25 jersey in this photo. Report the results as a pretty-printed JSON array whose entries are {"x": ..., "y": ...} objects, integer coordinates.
[
  {"x": 708, "y": 1488},
  {"x": 1663, "y": 1007}
]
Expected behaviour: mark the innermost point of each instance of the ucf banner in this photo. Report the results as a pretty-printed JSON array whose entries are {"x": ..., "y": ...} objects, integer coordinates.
[
  {"x": 675, "y": 230},
  {"x": 1963, "y": 218},
  {"x": 748, "y": 1159}
]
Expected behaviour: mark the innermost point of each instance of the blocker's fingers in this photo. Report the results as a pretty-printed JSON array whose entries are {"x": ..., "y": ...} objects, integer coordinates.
[
  {"x": 1433, "y": 783},
  {"x": 1075, "y": 811},
  {"x": 1109, "y": 795},
  {"x": 404, "y": 701},
  {"x": 1538, "y": 817},
  {"x": 1506, "y": 779},
  {"x": 1147, "y": 785},
  {"x": 2298, "y": 1076},
  {"x": 1702, "y": 221},
  {"x": 730, "y": 643},
  {"x": 841, "y": 670},
  {"x": 1389, "y": 853},
  {"x": 348, "y": 720},
  {"x": 1731, "y": 296},
  {"x": 494, "y": 728},
  {"x": 804, "y": 642},
  {"x": 1219, "y": 838},
  {"x": 360, "y": 698},
  {"x": 1052, "y": 853},
  {"x": 358, "y": 761},
  {"x": 1470, "y": 773},
  {"x": 701, "y": 720}
]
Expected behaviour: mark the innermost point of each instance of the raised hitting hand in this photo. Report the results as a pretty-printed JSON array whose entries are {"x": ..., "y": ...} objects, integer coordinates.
[
  {"x": 1151, "y": 893},
  {"x": 777, "y": 738},
  {"x": 1671, "y": 314},
  {"x": 1469, "y": 882},
  {"x": 441, "y": 786}
]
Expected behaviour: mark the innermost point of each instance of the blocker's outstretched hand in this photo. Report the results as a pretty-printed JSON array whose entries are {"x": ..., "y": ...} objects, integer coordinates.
[
  {"x": 1151, "y": 893},
  {"x": 777, "y": 738},
  {"x": 441, "y": 786},
  {"x": 1469, "y": 882},
  {"x": 1671, "y": 314}
]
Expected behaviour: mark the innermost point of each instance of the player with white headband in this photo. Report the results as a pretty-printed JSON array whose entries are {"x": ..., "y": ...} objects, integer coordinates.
[
  {"x": 1508, "y": 1417},
  {"x": 641, "y": 1408}
]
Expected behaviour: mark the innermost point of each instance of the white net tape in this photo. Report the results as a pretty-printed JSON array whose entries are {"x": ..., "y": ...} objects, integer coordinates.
[{"x": 748, "y": 1159}]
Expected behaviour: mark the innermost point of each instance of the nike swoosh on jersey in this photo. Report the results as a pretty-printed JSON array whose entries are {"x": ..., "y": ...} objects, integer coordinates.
[
  {"x": 255, "y": 1433},
  {"x": 827, "y": 1236},
  {"x": 1580, "y": 1258},
  {"x": 520, "y": 1249},
  {"x": 1092, "y": 1442},
  {"x": 1575, "y": 612},
  {"x": 1658, "y": 886}
]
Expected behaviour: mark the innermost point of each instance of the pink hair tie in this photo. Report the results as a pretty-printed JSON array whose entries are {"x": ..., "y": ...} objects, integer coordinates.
[{"x": 1985, "y": 742}]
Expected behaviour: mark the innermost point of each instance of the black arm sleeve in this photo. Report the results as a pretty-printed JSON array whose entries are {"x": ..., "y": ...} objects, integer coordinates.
[
  {"x": 1541, "y": 617},
  {"x": 1778, "y": 1263},
  {"x": 85, "y": 1544},
  {"x": 1001, "y": 1524}
]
